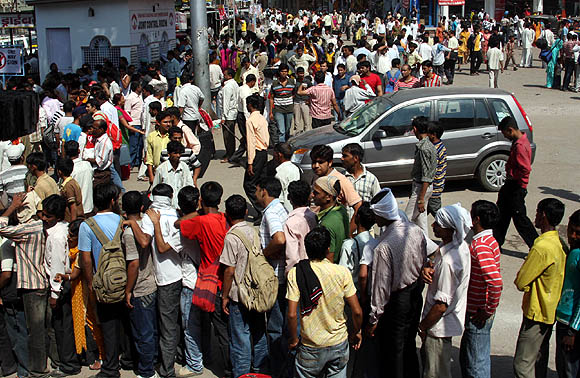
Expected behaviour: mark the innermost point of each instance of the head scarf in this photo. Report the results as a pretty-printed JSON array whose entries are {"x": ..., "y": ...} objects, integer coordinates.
[
  {"x": 457, "y": 218},
  {"x": 326, "y": 183},
  {"x": 161, "y": 202},
  {"x": 387, "y": 207}
]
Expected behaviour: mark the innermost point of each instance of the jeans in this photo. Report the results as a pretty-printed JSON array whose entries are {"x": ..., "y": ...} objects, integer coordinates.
[
  {"x": 512, "y": 205},
  {"x": 171, "y": 82},
  {"x": 62, "y": 322},
  {"x": 476, "y": 59},
  {"x": 16, "y": 329},
  {"x": 136, "y": 147},
  {"x": 143, "y": 319},
  {"x": 278, "y": 331},
  {"x": 250, "y": 182},
  {"x": 35, "y": 302},
  {"x": 412, "y": 210},
  {"x": 191, "y": 320},
  {"x": 474, "y": 353},
  {"x": 532, "y": 349},
  {"x": 439, "y": 70},
  {"x": 329, "y": 362},
  {"x": 569, "y": 65},
  {"x": 436, "y": 353},
  {"x": 220, "y": 325},
  {"x": 397, "y": 330},
  {"x": 247, "y": 328},
  {"x": 117, "y": 179},
  {"x": 284, "y": 121},
  {"x": 110, "y": 316},
  {"x": 567, "y": 362},
  {"x": 168, "y": 305},
  {"x": 449, "y": 67}
]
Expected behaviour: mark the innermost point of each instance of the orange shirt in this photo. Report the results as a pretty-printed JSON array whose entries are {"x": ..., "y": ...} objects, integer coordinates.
[{"x": 257, "y": 135}]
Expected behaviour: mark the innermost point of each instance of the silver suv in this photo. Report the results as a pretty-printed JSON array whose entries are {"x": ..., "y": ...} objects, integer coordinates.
[{"x": 475, "y": 147}]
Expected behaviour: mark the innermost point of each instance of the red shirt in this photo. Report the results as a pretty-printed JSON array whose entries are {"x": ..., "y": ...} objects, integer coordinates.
[
  {"x": 373, "y": 80},
  {"x": 485, "y": 282},
  {"x": 519, "y": 164},
  {"x": 209, "y": 230},
  {"x": 435, "y": 81}
]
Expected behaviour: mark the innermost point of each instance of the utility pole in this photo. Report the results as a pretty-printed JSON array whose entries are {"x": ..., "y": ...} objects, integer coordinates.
[{"x": 200, "y": 49}]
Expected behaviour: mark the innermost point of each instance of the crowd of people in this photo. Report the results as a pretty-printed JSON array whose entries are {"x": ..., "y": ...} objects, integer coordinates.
[{"x": 331, "y": 282}]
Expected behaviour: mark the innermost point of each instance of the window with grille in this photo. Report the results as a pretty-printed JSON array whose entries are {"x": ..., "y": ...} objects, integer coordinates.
[{"x": 100, "y": 49}]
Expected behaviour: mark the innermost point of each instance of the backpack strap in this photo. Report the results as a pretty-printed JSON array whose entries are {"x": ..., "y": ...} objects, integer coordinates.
[
  {"x": 103, "y": 239},
  {"x": 247, "y": 243}
]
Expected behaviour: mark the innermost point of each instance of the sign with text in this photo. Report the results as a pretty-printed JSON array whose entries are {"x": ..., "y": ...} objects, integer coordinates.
[
  {"x": 16, "y": 20},
  {"x": 10, "y": 60},
  {"x": 451, "y": 2},
  {"x": 144, "y": 21}
]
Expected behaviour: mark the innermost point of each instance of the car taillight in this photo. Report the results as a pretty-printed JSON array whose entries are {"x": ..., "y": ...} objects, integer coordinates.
[{"x": 523, "y": 113}]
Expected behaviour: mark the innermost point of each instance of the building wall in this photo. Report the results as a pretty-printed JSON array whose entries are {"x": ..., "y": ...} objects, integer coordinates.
[{"x": 125, "y": 23}]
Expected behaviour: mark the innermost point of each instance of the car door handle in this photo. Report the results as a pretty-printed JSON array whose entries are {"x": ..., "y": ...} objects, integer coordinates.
[{"x": 487, "y": 136}]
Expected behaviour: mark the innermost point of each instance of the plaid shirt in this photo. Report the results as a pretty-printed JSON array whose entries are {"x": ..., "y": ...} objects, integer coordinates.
[
  {"x": 30, "y": 242},
  {"x": 366, "y": 185}
]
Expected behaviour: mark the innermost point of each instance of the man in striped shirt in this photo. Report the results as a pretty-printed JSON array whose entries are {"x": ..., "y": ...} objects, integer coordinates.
[
  {"x": 12, "y": 180},
  {"x": 282, "y": 102},
  {"x": 485, "y": 286},
  {"x": 430, "y": 78},
  {"x": 435, "y": 131}
]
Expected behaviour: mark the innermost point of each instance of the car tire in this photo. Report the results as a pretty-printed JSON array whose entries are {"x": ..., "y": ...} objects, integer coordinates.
[{"x": 491, "y": 172}]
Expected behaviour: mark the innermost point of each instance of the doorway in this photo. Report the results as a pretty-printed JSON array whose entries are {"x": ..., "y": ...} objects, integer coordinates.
[{"x": 58, "y": 48}]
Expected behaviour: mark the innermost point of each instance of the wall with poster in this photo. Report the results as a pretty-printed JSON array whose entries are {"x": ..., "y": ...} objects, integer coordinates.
[{"x": 152, "y": 28}]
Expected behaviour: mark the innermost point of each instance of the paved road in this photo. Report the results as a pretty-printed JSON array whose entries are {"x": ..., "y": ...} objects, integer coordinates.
[{"x": 554, "y": 115}]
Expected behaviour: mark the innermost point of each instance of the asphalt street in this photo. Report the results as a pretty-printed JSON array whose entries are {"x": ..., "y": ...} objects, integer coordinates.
[{"x": 554, "y": 115}]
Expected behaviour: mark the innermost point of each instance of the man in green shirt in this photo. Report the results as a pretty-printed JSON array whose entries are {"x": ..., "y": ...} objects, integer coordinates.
[
  {"x": 540, "y": 278},
  {"x": 332, "y": 215}
]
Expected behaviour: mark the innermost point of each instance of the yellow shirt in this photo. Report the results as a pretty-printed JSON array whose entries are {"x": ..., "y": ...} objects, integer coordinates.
[
  {"x": 477, "y": 43},
  {"x": 541, "y": 278},
  {"x": 155, "y": 144},
  {"x": 325, "y": 326}
]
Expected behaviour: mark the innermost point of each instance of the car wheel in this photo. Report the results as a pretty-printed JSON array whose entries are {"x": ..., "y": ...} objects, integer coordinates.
[{"x": 491, "y": 172}]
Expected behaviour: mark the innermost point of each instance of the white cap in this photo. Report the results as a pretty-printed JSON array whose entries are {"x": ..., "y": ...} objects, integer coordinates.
[{"x": 15, "y": 151}]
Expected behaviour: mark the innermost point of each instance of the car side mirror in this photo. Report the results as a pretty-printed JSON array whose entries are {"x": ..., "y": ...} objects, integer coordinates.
[{"x": 379, "y": 134}]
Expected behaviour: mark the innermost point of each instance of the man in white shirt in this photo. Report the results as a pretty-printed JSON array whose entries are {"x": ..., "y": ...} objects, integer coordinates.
[
  {"x": 229, "y": 98},
  {"x": 82, "y": 173},
  {"x": 174, "y": 172},
  {"x": 56, "y": 261},
  {"x": 108, "y": 108},
  {"x": 528, "y": 36},
  {"x": 494, "y": 62},
  {"x": 146, "y": 119},
  {"x": 300, "y": 59},
  {"x": 215, "y": 76},
  {"x": 134, "y": 107},
  {"x": 286, "y": 171},
  {"x": 103, "y": 159},
  {"x": 244, "y": 92},
  {"x": 447, "y": 273}
]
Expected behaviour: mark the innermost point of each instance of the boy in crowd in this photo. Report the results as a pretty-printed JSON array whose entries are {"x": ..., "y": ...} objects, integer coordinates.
[
  {"x": 435, "y": 131},
  {"x": 173, "y": 172},
  {"x": 70, "y": 190},
  {"x": 352, "y": 249}
]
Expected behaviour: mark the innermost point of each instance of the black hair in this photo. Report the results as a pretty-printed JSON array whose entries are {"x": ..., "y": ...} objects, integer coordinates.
[
  {"x": 271, "y": 185},
  {"x": 365, "y": 216},
  {"x": 319, "y": 77},
  {"x": 188, "y": 199},
  {"x": 364, "y": 63},
  {"x": 317, "y": 243},
  {"x": 355, "y": 150},
  {"x": 71, "y": 149},
  {"x": 135, "y": 85},
  {"x": 65, "y": 165},
  {"x": 285, "y": 149},
  {"x": 186, "y": 78},
  {"x": 340, "y": 65},
  {"x": 164, "y": 190},
  {"x": 427, "y": 63},
  {"x": 117, "y": 98},
  {"x": 175, "y": 147},
  {"x": 175, "y": 130},
  {"x": 55, "y": 205},
  {"x": 299, "y": 193},
  {"x": 507, "y": 123},
  {"x": 575, "y": 218},
  {"x": 86, "y": 122},
  {"x": 174, "y": 112},
  {"x": 256, "y": 101},
  {"x": 553, "y": 209},
  {"x": 487, "y": 212},
  {"x": 161, "y": 116},
  {"x": 283, "y": 67},
  {"x": 103, "y": 194},
  {"x": 38, "y": 159},
  {"x": 300, "y": 69},
  {"x": 435, "y": 128},
  {"x": 230, "y": 71},
  {"x": 395, "y": 62},
  {"x": 132, "y": 202},
  {"x": 236, "y": 207},
  {"x": 321, "y": 152},
  {"x": 148, "y": 88},
  {"x": 421, "y": 124},
  {"x": 68, "y": 106},
  {"x": 93, "y": 102},
  {"x": 101, "y": 95},
  {"x": 211, "y": 193},
  {"x": 74, "y": 226},
  {"x": 250, "y": 78},
  {"x": 155, "y": 105}
]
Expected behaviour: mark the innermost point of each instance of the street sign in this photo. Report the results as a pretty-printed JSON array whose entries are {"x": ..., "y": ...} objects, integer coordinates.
[
  {"x": 16, "y": 20},
  {"x": 11, "y": 60}
]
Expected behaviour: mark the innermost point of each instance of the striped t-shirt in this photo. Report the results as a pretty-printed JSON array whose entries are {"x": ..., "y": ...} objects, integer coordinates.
[
  {"x": 485, "y": 282},
  {"x": 435, "y": 81},
  {"x": 441, "y": 171},
  {"x": 282, "y": 94},
  {"x": 12, "y": 180}
]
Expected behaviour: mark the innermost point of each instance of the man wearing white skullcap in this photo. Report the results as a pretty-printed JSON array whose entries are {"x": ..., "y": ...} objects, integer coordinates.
[
  {"x": 396, "y": 286},
  {"x": 446, "y": 299},
  {"x": 12, "y": 180}
]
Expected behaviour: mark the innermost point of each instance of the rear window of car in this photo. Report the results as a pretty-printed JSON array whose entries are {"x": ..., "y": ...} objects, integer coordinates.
[
  {"x": 499, "y": 109},
  {"x": 456, "y": 114}
]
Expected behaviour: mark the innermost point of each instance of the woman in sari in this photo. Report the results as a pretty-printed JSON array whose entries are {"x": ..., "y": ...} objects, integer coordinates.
[{"x": 556, "y": 47}]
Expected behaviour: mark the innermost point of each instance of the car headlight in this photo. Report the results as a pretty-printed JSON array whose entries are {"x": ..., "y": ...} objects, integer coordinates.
[{"x": 298, "y": 155}]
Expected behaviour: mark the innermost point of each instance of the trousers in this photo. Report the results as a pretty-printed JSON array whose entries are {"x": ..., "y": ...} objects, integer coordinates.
[
  {"x": 168, "y": 305},
  {"x": 474, "y": 353},
  {"x": 302, "y": 119},
  {"x": 532, "y": 349},
  {"x": 412, "y": 211},
  {"x": 62, "y": 323},
  {"x": 250, "y": 182},
  {"x": 436, "y": 353},
  {"x": 35, "y": 302},
  {"x": 526, "y": 60},
  {"x": 493, "y": 76}
]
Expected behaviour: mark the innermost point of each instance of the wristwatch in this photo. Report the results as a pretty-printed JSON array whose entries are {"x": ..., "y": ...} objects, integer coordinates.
[{"x": 421, "y": 201}]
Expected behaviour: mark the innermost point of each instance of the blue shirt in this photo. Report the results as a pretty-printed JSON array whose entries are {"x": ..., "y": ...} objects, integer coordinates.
[
  {"x": 338, "y": 82},
  {"x": 72, "y": 131},
  {"x": 273, "y": 218},
  {"x": 108, "y": 222},
  {"x": 568, "y": 310}
]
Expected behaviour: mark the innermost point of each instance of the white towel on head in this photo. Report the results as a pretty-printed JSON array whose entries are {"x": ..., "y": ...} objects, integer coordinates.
[
  {"x": 387, "y": 207},
  {"x": 457, "y": 218}
]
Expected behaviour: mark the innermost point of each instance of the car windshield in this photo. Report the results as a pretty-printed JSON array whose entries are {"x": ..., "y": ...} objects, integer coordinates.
[{"x": 357, "y": 122}]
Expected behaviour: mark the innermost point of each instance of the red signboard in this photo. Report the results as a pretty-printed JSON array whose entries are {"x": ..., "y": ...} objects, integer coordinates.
[{"x": 451, "y": 2}]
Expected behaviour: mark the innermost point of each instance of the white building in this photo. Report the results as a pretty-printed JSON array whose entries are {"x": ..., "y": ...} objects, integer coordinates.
[{"x": 73, "y": 32}]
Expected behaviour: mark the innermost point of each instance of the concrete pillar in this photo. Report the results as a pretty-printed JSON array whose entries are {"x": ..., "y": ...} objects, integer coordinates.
[
  {"x": 538, "y": 6},
  {"x": 200, "y": 49},
  {"x": 444, "y": 12},
  {"x": 489, "y": 6}
]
